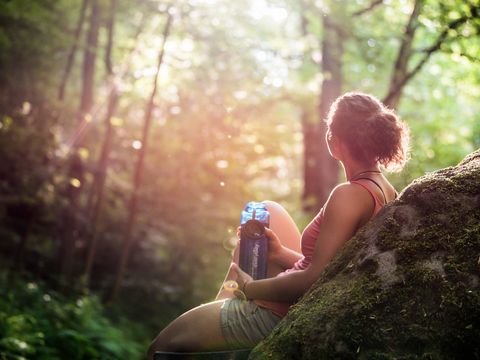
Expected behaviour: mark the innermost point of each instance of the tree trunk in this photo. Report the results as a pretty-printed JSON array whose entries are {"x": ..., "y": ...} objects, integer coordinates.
[
  {"x": 76, "y": 171},
  {"x": 90, "y": 55},
  {"x": 96, "y": 196},
  {"x": 98, "y": 185},
  {"x": 320, "y": 170},
  {"x": 110, "y": 29},
  {"x": 133, "y": 205},
  {"x": 73, "y": 50},
  {"x": 25, "y": 213},
  {"x": 312, "y": 176},
  {"x": 69, "y": 226}
]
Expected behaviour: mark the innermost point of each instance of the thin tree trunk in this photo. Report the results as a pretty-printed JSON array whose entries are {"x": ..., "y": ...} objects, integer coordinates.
[
  {"x": 321, "y": 171},
  {"x": 73, "y": 50},
  {"x": 17, "y": 254},
  {"x": 24, "y": 229},
  {"x": 311, "y": 174},
  {"x": 110, "y": 28},
  {"x": 97, "y": 189},
  {"x": 90, "y": 55},
  {"x": 69, "y": 226},
  {"x": 132, "y": 216},
  {"x": 112, "y": 80},
  {"x": 96, "y": 196},
  {"x": 76, "y": 171},
  {"x": 99, "y": 185}
]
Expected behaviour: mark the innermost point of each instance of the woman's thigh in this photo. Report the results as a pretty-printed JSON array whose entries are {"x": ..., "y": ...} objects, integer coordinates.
[{"x": 196, "y": 330}]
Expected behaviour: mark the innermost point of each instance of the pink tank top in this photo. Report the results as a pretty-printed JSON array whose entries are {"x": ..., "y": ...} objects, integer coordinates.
[{"x": 308, "y": 241}]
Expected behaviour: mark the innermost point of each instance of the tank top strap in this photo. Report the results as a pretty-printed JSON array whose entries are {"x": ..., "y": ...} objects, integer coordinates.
[
  {"x": 378, "y": 205},
  {"x": 377, "y": 184}
]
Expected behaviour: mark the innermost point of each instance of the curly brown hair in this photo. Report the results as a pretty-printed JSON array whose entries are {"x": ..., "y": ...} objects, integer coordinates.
[{"x": 372, "y": 132}]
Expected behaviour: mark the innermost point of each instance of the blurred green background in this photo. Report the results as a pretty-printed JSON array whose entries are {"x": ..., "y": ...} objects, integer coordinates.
[{"x": 132, "y": 133}]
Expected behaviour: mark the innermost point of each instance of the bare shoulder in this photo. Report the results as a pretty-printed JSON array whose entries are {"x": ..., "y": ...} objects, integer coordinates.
[
  {"x": 349, "y": 193},
  {"x": 350, "y": 199}
]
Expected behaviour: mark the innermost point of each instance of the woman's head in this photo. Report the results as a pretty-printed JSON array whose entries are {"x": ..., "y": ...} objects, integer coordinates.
[{"x": 371, "y": 132}]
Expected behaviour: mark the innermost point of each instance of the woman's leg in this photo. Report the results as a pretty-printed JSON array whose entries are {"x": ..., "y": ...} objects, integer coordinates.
[
  {"x": 199, "y": 329},
  {"x": 287, "y": 231},
  {"x": 283, "y": 225},
  {"x": 196, "y": 330}
]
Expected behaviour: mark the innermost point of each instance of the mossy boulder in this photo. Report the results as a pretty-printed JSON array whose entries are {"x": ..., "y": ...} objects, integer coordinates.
[{"x": 405, "y": 287}]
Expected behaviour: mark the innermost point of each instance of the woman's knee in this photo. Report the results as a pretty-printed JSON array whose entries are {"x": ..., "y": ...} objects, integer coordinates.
[
  {"x": 163, "y": 342},
  {"x": 169, "y": 341},
  {"x": 196, "y": 330},
  {"x": 276, "y": 210},
  {"x": 273, "y": 205},
  {"x": 283, "y": 225}
]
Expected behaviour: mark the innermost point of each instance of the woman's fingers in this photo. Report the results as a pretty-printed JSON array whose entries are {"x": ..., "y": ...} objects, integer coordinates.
[
  {"x": 237, "y": 269},
  {"x": 269, "y": 232},
  {"x": 242, "y": 276},
  {"x": 274, "y": 242}
]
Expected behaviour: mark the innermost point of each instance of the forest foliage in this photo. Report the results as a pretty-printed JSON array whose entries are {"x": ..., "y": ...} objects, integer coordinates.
[
  {"x": 238, "y": 94},
  {"x": 37, "y": 323}
]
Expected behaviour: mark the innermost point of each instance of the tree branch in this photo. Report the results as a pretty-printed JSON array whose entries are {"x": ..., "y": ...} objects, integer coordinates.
[
  {"x": 465, "y": 55},
  {"x": 430, "y": 50},
  {"x": 400, "y": 68},
  {"x": 369, "y": 8}
]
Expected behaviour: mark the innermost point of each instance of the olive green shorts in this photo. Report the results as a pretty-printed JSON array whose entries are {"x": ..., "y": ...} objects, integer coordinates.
[{"x": 244, "y": 324}]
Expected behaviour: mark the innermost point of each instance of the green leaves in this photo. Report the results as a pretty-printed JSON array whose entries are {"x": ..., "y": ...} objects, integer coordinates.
[{"x": 35, "y": 324}]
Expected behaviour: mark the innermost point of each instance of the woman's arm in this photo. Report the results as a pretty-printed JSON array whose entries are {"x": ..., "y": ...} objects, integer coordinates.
[
  {"x": 346, "y": 209},
  {"x": 286, "y": 258},
  {"x": 280, "y": 254}
]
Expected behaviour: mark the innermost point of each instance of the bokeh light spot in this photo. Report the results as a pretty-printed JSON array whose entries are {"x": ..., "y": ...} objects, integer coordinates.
[
  {"x": 26, "y": 108},
  {"x": 137, "y": 144},
  {"x": 75, "y": 182},
  {"x": 222, "y": 164},
  {"x": 115, "y": 121}
]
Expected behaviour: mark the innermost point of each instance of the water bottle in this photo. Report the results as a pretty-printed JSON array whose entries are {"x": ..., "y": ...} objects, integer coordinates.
[{"x": 253, "y": 241}]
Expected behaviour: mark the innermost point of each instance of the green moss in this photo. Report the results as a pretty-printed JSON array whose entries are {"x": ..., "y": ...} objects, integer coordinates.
[{"x": 405, "y": 287}]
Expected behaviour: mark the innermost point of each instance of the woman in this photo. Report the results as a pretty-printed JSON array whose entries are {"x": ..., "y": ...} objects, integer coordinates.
[{"x": 365, "y": 137}]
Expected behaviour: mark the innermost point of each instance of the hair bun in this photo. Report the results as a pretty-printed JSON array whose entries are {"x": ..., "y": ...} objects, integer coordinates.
[
  {"x": 389, "y": 116},
  {"x": 382, "y": 117},
  {"x": 372, "y": 132}
]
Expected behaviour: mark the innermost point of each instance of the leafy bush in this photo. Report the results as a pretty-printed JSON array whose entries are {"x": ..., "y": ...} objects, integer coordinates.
[{"x": 40, "y": 324}]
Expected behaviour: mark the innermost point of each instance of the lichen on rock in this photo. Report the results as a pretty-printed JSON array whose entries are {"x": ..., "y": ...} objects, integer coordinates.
[{"x": 405, "y": 287}]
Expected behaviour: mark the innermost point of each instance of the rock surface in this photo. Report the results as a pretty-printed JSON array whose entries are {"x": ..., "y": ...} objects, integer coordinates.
[{"x": 405, "y": 287}]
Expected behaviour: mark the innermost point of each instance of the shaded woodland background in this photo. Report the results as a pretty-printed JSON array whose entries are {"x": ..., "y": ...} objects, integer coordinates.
[{"x": 132, "y": 133}]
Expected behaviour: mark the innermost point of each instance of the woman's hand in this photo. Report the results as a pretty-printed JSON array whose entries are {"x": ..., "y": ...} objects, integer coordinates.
[
  {"x": 242, "y": 278},
  {"x": 274, "y": 244}
]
